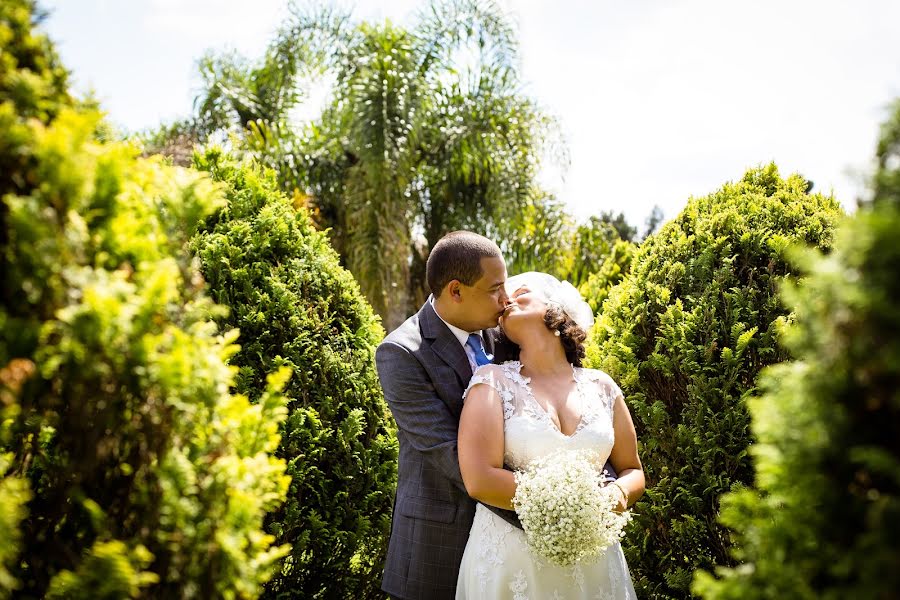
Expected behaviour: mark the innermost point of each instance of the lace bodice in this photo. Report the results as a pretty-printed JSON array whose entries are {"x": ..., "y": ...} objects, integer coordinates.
[
  {"x": 529, "y": 431},
  {"x": 498, "y": 563}
]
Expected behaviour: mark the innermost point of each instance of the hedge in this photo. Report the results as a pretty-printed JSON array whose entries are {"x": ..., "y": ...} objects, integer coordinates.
[
  {"x": 685, "y": 335},
  {"x": 824, "y": 519},
  {"x": 296, "y": 307}
]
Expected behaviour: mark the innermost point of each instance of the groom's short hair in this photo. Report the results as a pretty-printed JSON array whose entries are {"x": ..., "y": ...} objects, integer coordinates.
[{"x": 458, "y": 256}]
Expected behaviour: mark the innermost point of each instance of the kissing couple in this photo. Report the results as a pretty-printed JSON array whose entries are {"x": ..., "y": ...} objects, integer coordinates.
[{"x": 485, "y": 379}]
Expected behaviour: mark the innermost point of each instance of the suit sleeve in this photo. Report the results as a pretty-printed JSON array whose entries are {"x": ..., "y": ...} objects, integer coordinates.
[{"x": 418, "y": 410}]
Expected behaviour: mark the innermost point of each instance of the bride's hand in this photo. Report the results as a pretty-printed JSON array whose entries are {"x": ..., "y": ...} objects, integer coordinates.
[{"x": 619, "y": 494}]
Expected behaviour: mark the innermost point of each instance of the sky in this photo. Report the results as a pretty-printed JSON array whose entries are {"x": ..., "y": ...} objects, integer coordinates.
[{"x": 658, "y": 100}]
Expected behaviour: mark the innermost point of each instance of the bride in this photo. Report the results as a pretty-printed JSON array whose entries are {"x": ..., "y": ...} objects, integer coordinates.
[{"x": 521, "y": 410}]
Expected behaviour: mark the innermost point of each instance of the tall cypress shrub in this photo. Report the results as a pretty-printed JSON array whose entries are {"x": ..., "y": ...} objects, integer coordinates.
[
  {"x": 295, "y": 306},
  {"x": 685, "y": 335},
  {"x": 128, "y": 468},
  {"x": 825, "y": 518}
]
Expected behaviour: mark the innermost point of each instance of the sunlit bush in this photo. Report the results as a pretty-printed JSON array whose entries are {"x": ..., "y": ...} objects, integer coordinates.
[
  {"x": 146, "y": 476},
  {"x": 685, "y": 335},
  {"x": 825, "y": 517}
]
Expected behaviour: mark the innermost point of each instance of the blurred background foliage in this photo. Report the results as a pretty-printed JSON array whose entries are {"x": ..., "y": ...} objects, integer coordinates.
[{"x": 426, "y": 131}]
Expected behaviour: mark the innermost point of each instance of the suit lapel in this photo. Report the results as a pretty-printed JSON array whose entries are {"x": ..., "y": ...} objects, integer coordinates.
[{"x": 444, "y": 343}]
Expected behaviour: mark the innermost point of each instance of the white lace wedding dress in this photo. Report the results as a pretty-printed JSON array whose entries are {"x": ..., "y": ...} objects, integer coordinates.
[{"x": 497, "y": 563}]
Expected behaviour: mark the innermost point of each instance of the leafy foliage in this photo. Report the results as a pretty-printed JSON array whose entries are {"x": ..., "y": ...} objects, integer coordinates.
[
  {"x": 593, "y": 245},
  {"x": 537, "y": 237},
  {"x": 426, "y": 130},
  {"x": 824, "y": 519},
  {"x": 127, "y": 467},
  {"x": 685, "y": 335},
  {"x": 613, "y": 269},
  {"x": 32, "y": 78},
  {"x": 138, "y": 456},
  {"x": 626, "y": 231},
  {"x": 33, "y": 84},
  {"x": 295, "y": 306},
  {"x": 14, "y": 491}
]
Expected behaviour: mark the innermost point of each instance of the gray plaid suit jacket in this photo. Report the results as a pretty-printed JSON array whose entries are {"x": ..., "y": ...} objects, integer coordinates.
[{"x": 424, "y": 370}]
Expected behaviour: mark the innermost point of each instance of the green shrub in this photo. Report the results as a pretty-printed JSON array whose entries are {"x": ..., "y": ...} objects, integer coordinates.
[
  {"x": 14, "y": 490},
  {"x": 613, "y": 269},
  {"x": 146, "y": 473},
  {"x": 825, "y": 519},
  {"x": 33, "y": 84},
  {"x": 295, "y": 306},
  {"x": 128, "y": 469},
  {"x": 32, "y": 78},
  {"x": 592, "y": 244},
  {"x": 685, "y": 335}
]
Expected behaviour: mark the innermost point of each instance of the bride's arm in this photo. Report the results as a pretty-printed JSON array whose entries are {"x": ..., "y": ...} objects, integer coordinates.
[
  {"x": 624, "y": 455},
  {"x": 480, "y": 449}
]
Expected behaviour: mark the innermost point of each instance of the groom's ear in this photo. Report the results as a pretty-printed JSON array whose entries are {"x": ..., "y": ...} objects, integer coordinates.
[{"x": 453, "y": 289}]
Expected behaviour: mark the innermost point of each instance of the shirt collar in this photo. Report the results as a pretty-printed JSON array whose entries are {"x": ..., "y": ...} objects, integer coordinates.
[{"x": 462, "y": 336}]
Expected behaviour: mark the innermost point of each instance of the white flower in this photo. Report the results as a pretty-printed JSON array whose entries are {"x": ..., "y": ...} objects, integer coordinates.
[{"x": 565, "y": 513}]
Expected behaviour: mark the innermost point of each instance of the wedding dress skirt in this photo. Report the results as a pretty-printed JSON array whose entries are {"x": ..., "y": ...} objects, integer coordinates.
[{"x": 497, "y": 563}]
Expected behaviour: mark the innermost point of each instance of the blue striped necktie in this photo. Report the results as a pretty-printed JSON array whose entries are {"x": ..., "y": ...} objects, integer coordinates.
[{"x": 474, "y": 342}]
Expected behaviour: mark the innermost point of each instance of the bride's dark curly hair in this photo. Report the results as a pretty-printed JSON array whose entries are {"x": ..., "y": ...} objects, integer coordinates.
[{"x": 571, "y": 335}]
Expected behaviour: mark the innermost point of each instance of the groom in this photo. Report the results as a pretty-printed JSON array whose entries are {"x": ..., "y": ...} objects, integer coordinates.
[{"x": 424, "y": 367}]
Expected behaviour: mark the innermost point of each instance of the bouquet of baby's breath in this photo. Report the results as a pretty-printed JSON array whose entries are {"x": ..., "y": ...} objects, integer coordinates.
[{"x": 565, "y": 513}]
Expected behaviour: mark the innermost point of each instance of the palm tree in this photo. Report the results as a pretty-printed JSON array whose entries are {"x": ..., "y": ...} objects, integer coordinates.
[{"x": 427, "y": 130}]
